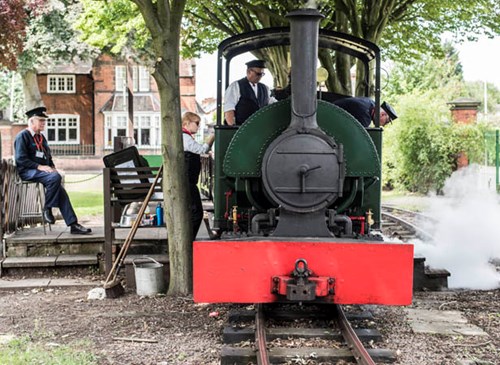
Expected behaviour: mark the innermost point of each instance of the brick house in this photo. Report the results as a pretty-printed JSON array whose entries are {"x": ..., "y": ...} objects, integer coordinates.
[
  {"x": 127, "y": 103},
  {"x": 91, "y": 103},
  {"x": 67, "y": 92}
]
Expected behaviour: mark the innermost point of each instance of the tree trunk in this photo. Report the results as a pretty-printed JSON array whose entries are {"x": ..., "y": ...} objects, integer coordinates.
[
  {"x": 341, "y": 79},
  {"x": 174, "y": 183},
  {"x": 32, "y": 96},
  {"x": 163, "y": 19}
]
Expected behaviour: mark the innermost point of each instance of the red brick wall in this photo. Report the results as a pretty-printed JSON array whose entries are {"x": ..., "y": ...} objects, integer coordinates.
[
  {"x": 79, "y": 103},
  {"x": 465, "y": 116},
  {"x": 104, "y": 80},
  {"x": 5, "y": 133},
  {"x": 9, "y": 133},
  {"x": 187, "y": 81}
]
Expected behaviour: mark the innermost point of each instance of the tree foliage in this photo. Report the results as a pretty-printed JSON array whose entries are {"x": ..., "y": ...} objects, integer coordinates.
[
  {"x": 51, "y": 37},
  {"x": 116, "y": 27},
  {"x": 421, "y": 148},
  {"x": 426, "y": 73},
  {"x": 41, "y": 34},
  {"x": 404, "y": 29},
  {"x": 14, "y": 20},
  {"x": 35, "y": 32}
]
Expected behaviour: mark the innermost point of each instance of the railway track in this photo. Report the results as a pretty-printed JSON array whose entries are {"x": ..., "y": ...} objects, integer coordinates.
[
  {"x": 405, "y": 224},
  {"x": 302, "y": 334},
  {"x": 291, "y": 334}
]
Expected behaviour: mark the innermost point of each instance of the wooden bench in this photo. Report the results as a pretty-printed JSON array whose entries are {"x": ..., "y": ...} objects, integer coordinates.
[{"x": 121, "y": 187}]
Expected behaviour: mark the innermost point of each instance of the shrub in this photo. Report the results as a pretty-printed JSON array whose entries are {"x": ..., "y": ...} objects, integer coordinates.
[{"x": 422, "y": 146}]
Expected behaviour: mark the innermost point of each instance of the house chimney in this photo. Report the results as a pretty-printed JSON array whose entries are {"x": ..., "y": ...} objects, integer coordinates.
[{"x": 464, "y": 110}]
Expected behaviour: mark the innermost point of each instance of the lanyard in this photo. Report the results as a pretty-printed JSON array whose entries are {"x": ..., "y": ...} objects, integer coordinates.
[{"x": 39, "y": 142}]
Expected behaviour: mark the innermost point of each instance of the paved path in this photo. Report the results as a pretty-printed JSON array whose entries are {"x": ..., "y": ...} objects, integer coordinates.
[{"x": 46, "y": 283}]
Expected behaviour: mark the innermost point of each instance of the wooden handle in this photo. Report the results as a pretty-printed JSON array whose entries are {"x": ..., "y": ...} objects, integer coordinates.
[{"x": 113, "y": 273}]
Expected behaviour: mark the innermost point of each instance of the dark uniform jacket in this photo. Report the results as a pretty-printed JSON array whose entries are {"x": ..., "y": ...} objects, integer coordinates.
[
  {"x": 26, "y": 152},
  {"x": 193, "y": 165},
  {"x": 248, "y": 103},
  {"x": 360, "y": 108}
]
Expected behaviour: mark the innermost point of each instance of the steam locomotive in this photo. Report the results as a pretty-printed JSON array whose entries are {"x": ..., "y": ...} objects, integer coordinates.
[{"x": 297, "y": 190}]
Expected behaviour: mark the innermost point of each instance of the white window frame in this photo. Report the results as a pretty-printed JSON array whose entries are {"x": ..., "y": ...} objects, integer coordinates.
[
  {"x": 149, "y": 121},
  {"x": 61, "y": 84},
  {"x": 113, "y": 121},
  {"x": 120, "y": 78},
  {"x": 141, "y": 79},
  {"x": 55, "y": 122}
]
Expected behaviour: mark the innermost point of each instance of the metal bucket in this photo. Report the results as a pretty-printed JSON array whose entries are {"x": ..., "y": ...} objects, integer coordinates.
[{"x": 149, "y": 277}]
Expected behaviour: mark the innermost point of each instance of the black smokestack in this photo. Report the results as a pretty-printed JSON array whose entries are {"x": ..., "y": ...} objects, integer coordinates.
[{"x": 304, "y": 30}]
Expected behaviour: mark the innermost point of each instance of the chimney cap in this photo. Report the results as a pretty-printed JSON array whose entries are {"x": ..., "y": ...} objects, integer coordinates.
[{"x": 464, "y": 103}]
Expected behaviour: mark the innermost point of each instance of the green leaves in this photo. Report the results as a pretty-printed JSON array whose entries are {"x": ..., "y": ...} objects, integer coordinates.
[
  {"x": 113, "y": 25},
  {"x": 422, "y": 146}
]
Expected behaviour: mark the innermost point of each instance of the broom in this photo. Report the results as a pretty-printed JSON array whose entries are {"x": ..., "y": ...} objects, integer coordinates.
[{"x": 112, "y": 286}]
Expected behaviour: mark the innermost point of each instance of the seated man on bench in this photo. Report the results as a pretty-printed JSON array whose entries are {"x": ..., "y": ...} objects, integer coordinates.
[{"x": 34, "y": 163}]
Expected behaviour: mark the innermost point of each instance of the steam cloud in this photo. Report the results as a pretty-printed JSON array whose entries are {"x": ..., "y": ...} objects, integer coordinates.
[{"x": 466, "y": 235}]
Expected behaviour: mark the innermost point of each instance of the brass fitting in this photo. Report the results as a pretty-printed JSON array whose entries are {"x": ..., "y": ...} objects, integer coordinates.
[{"x": 369, "y": 218}]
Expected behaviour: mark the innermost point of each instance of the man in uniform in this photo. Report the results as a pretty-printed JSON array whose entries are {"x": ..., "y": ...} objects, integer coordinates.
[
  {"x": 247, "y": 95},
  {"x": 34, "y": 163},
  {"x": 363, "y": 109}
]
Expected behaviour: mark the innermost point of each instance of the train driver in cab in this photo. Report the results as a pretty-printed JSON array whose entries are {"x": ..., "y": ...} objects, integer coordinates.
[
  {"x": 363, "y": 109},
  {"x": 247, "y": 95}
]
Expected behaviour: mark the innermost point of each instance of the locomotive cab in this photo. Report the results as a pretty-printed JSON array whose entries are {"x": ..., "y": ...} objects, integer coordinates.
[{"x": 254, "y": 181}]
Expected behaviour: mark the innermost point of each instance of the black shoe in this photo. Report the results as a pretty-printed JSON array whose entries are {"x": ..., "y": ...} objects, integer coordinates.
[
  {"x": 79, "y": 229},
  {"x": 48, "y": 217}
]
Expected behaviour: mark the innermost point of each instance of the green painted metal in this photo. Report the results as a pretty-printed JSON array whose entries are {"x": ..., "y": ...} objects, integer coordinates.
[
  {"x": 222, "y": 185},
  {"x": 373, "y": 194},
  {"x": 246, "y": 150}
]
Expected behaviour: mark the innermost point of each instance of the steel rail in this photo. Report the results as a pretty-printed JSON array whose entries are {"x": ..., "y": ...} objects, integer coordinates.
[
  {"x": 413, "y": 213},
  {"x": 260, "y": 336},
  {"x": 418, "y": 231},
  {"x": 361, "y": 356}
]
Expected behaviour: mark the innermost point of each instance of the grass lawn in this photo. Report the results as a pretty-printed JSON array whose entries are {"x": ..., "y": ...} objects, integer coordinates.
[
  {"x": 27, "y": 351},
  {"x": 87, "y": 203}
]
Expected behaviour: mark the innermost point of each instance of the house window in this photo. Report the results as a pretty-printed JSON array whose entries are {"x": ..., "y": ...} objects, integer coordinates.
[
  {"x": 61, "y": 84},
  {"x": 63, "y": 129},
  {"x": 115, "y": 126},
  {"x": 120, "y": 78},
  {"x": 147, "y": 130},
  {"x": 156, "y": 130},
  {"x": 141, "y": 78}
]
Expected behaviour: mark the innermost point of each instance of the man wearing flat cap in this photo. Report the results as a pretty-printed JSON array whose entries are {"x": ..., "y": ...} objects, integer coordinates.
[
  {"x": 247, "y": 95},
  {"x": 34, "y": 163},
  {"x": 363, "y": 109}
]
